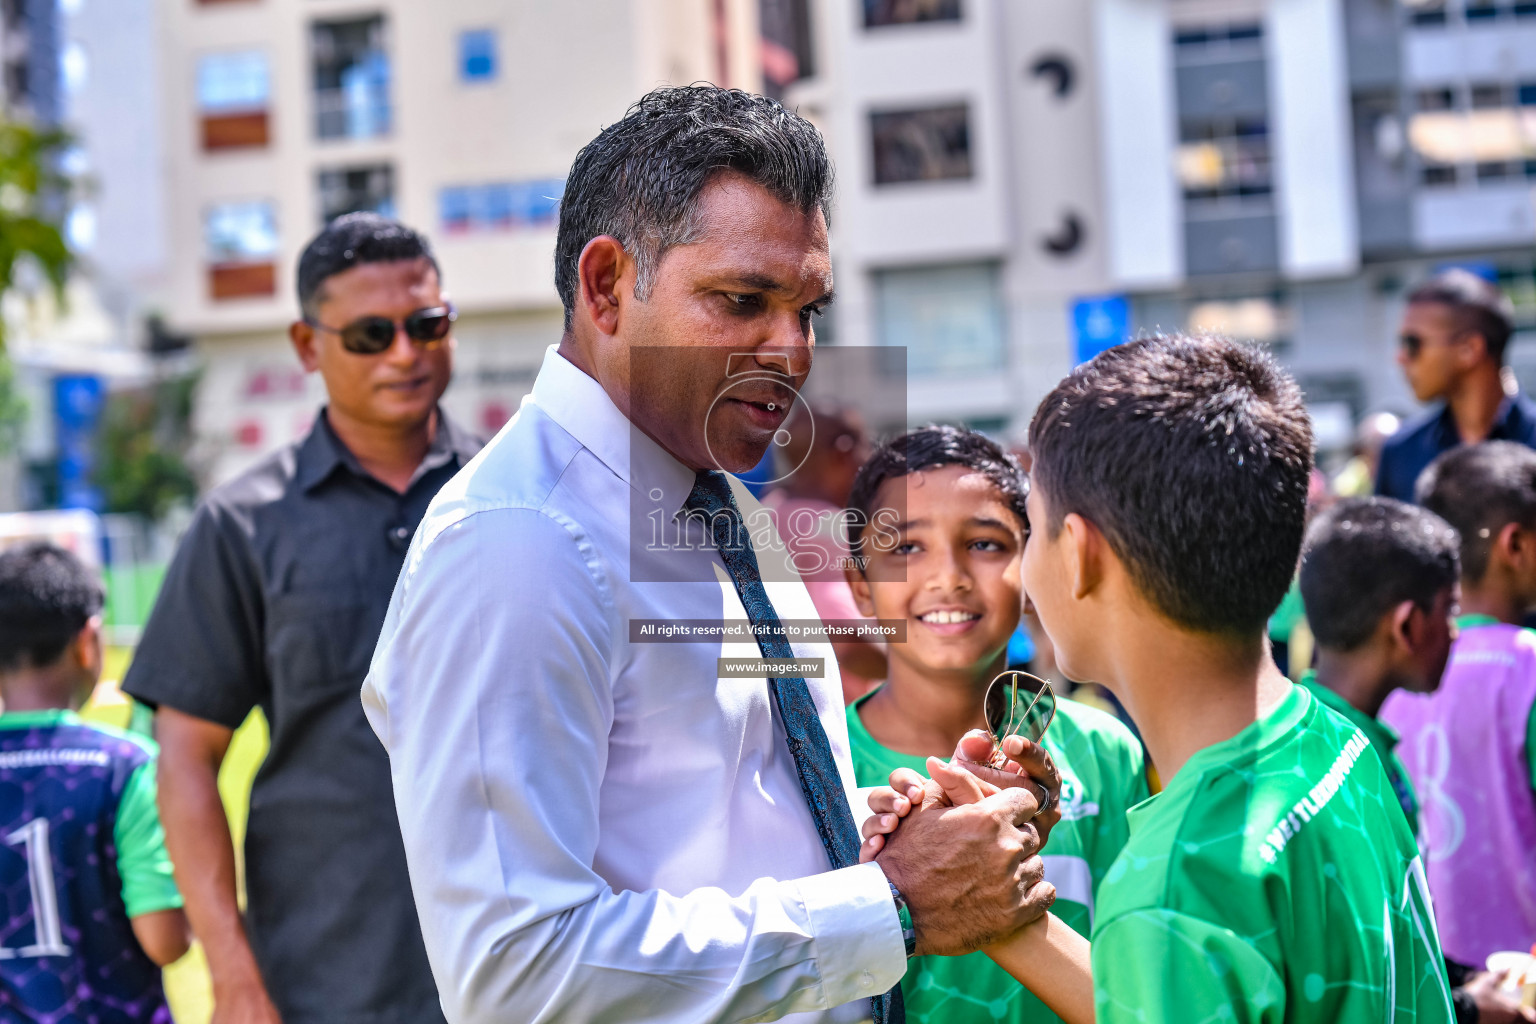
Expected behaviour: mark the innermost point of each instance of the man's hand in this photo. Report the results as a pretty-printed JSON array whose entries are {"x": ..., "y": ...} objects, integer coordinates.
[
  {"x": 1496, "y": 1005},
  {"x": 966, "y": 857},
  {"x": 1028, "y": 766}
]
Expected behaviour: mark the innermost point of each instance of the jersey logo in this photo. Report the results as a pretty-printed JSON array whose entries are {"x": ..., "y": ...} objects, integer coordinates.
[{"x": 1075, "y": 804}]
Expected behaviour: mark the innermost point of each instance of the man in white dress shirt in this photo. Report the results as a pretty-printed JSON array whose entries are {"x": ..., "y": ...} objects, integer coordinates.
[{"x": 600, "y": 829}]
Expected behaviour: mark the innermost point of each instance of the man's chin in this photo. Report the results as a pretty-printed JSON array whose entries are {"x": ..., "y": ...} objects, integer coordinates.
[{"x": 737, "y": 455}]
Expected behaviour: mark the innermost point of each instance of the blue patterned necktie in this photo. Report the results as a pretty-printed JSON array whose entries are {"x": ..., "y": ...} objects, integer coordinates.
[{"x": 819, "y": 779}]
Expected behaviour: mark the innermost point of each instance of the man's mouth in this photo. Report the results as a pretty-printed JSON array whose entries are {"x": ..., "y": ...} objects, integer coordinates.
[
  {"x": 767, "y": 415},
  {"x": 404, "y": 385}
]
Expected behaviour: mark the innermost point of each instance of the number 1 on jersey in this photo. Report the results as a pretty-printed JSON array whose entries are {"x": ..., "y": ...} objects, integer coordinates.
[{"x": 49, "y": 937}]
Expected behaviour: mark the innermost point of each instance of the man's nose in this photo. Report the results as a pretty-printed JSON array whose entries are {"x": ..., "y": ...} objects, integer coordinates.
[
  {"x": 791, "y": 357},
  {"x": 402, "y": 350}
]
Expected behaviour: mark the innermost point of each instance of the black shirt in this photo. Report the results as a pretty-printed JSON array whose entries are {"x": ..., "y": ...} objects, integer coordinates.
[
  {"x": 1406, "y": 454},
  {"x": 275, "y": 599}
]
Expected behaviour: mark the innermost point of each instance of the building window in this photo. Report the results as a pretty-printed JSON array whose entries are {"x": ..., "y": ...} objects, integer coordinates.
[
  {"x": 351, "y": 79},
  {"x": 240, "y": 246},
  {"x": 1224, "y": 159},
  {"x": 352, "y": 189},
  {"x": 1492, "y": 139},
  {"x": 1473, "y": 12},
  {"x": 477, "y": 55},
  {"x": 1241, "y": 39},
  {"x": 233, "y": 90},
  {"x": 500, "y": 206},
  {"x": 788, "y": 52},
  {"x": 948, "y": 318},
  {"x": 931, "y": 144},
  {"x": 909, "y": 12}
]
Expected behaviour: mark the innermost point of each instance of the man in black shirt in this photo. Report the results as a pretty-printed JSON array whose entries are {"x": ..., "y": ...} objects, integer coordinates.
[
  {"x": 274, "y": 600},
  {"x": 1451, "y": 350}
]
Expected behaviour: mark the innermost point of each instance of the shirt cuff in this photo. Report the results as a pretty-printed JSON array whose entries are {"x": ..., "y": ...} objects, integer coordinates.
[{"x": 859, "y": 949}]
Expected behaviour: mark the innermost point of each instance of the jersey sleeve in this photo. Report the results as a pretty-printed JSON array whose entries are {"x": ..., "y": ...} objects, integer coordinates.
[
  {"x": 1161, "y": 967},
  {"x": 142, "y": 860}
]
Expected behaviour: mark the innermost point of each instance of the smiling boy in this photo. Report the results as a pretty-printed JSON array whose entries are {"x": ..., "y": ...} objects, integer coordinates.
[{"x": 950, "y": 568}]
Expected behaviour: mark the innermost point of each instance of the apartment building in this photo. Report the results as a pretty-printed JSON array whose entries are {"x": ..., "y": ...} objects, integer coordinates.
[
  {"x": 460, "y": 117},
  {"x": 1024, "y": 182}
]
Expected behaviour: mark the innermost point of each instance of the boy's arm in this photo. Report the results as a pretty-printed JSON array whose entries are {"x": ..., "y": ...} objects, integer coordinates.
[
  {"x": 1157, "y": 966},
  {"x": 197, "y": 834},
  {"x": 149, "y": 890},
  {"x": 1053, "y": 962},
  {"x": 164, "y": 935}
]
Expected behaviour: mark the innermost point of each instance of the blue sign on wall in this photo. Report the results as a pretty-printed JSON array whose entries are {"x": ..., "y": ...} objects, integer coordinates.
[
  {"x": 1099, "y": 323},
  {"x": 77, "y": 404}
]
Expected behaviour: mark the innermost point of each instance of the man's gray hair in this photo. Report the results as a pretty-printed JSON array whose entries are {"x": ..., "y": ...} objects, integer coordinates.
[{"x": 640, "y": 179}]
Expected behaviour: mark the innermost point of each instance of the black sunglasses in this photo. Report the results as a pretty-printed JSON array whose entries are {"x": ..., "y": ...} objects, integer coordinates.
[{"x": 370, "y": 335}]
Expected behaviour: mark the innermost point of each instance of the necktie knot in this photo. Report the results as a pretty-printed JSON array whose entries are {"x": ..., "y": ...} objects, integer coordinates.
[{"x": 711, "y": 493}]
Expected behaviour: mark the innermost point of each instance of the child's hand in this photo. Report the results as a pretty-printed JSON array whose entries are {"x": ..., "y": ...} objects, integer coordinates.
[{"x": 889, "y": 806}]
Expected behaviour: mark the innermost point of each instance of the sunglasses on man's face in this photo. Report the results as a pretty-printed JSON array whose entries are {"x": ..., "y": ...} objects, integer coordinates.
[
  {"x": 1413, "y": 344},
  {"x": 370, "y": 335}
]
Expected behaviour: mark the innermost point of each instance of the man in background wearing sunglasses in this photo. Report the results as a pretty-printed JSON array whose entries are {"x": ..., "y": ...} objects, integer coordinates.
[
  {"x": 1451, "y": 350},
  {"x": 274, "y": 600}
]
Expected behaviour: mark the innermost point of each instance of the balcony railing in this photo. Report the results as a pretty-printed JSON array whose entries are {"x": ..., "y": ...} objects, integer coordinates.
[{"x": 359, "y": 108}]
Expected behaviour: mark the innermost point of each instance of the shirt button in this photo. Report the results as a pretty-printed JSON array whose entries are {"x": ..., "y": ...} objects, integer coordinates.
[
  {"x": 867, "y": 980},
  {"x": 401, "y": 533}
]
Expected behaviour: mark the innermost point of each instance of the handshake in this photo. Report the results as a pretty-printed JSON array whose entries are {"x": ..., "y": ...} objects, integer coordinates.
[{"x": 963, "y": 845}]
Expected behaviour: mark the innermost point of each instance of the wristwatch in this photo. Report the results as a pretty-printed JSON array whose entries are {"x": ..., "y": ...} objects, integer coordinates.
[{"x": 904, "y": 914}]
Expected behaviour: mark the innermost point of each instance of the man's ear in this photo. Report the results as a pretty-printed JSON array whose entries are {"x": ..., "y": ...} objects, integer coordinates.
[
  {"x": 306, "y": 344},
  {"x": 1083, "y": 546},
  {"x": 599, "y": 271}
]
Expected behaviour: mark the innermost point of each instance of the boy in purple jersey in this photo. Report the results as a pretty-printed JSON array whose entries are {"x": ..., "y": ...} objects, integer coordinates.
[
  {"x": 1471, "y": 745},
  {"x": 89, "y": 911}
]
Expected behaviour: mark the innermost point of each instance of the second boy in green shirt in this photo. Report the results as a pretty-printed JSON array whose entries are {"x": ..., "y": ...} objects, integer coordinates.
[{"x": 957, "y": 550}]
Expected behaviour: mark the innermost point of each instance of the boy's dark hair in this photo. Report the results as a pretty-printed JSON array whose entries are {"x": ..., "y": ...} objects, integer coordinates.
[
  {"x": 933, "y": 447},
  {"x": 1192, "y": 455},
  {"x": 352, "y": 240},
  {"x": 46, "y": 598},
  {"x": 1479, "y": 489},
  {"x": 1478, "y": 306},
  {"x": 640, "y": 179},
  {"x": 1364, "y": 557}
]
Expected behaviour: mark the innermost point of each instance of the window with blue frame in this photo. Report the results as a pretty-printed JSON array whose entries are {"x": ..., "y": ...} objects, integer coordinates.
[
  {"x": 500, "y": 205},
  {"x": 477, "y": 55}
]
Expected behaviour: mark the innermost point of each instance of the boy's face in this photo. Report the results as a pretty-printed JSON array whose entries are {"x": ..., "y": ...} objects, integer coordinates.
[
  {"x": 952, "y": 572},
  {"x": 1048, "y": 582}
]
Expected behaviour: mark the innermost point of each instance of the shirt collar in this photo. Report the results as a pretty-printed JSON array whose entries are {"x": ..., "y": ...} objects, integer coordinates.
[
  {"x": 1377, "y": 731},
  {"x": 1506, "y": 424},
  {"x": 41, "y": 717},
  {"x": 322, "y": 452},
  {"x": 581, "y": 407}
]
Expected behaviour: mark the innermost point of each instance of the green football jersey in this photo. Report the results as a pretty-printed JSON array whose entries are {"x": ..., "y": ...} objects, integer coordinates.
[
  {"x": 1274, "y": 880},
  {"x": 1103, "y": 774}
]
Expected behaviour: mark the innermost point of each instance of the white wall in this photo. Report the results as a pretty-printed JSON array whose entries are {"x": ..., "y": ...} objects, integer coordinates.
[
  {"x": 1312, "y": 138},
  {"x": 1137, "y": 121}
]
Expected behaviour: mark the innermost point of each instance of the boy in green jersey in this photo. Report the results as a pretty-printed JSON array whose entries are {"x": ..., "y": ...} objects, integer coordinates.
[
  {"x": 951, "y": 570},
  {"x": 1379, "y": 579},
  {"x": 1274, "y": 879}
]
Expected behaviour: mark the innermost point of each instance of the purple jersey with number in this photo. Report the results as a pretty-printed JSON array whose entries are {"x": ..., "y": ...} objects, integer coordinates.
[
  {"x": 1464, "y": 746},
  {"x": 67, "y": 950}
]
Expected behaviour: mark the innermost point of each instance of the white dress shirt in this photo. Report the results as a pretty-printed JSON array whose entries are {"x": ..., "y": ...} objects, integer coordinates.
[{"x": 599, "y": 830}]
